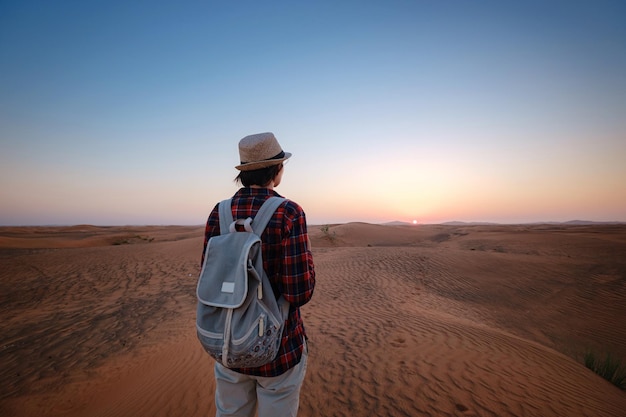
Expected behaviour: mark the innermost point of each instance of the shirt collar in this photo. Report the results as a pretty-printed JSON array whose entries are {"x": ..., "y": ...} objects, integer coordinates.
[{"x": 255, "y": 192}]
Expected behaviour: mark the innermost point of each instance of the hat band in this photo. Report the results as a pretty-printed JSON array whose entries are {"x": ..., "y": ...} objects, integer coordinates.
[{"x": 279, "y": 156}]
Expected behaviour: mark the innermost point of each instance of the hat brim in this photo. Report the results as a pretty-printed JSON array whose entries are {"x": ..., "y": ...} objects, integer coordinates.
[{"x": 251, "y": 166}]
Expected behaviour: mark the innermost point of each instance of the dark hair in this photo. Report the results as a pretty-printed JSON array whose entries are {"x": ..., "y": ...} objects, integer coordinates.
[{"x": 260, "y": 177}]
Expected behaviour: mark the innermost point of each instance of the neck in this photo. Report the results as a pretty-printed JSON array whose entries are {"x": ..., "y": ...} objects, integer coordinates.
[{"x": 269, "y": 186}]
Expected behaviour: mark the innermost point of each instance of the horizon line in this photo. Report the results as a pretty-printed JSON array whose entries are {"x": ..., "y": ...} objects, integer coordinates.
[{"x": 389, "y": 223}]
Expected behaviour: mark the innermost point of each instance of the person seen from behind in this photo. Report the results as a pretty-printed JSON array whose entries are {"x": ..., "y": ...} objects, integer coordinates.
[{"x": 272, "y": 390}]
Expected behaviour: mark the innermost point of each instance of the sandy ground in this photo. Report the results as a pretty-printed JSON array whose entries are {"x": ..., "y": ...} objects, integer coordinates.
[{"x": 405, "y": 321}]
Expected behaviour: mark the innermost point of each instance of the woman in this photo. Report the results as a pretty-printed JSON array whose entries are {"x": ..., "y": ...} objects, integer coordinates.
[{"x": 273, "y": 388}]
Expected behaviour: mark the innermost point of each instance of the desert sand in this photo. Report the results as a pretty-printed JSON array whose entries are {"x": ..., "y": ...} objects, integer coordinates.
[{"x": 425, "y": 320}]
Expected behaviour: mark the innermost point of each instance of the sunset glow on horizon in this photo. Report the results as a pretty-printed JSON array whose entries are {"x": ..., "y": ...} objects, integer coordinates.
[{"x": 421, "y": 112}]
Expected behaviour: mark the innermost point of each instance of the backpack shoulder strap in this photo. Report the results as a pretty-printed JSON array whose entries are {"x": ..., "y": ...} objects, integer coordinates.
[
  {"x": 265, "y": 213},
  {"x": 226, "y": 216}
]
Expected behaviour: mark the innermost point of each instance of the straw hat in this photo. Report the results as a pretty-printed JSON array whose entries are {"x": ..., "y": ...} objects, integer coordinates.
[{"x": 260, "y": 151}]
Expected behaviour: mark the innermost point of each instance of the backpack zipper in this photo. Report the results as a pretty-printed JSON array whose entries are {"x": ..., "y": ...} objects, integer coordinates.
[{"x": 261, "y": 325}]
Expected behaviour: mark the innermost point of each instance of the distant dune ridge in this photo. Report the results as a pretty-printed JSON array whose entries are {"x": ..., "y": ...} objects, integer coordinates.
[
  {"x": 433, "y": 320},
  {"x": 461, "y": 223}
]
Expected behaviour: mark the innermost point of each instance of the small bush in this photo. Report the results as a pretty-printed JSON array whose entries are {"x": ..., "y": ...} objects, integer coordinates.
[
  {"x": 126, "y": 240},
  {"x": 326, "y": 230},
  {"x": 609, "y": 368}
]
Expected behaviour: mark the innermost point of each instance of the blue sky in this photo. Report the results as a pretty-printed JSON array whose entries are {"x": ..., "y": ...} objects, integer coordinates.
[{"x": 130, "y": 112}]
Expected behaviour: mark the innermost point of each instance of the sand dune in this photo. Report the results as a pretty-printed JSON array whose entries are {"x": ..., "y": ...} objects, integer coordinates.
[{"x": 405, "y": 321}]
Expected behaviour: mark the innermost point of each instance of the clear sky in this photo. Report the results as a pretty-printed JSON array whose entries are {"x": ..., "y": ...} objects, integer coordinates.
[{"x": 129, "y": 112}]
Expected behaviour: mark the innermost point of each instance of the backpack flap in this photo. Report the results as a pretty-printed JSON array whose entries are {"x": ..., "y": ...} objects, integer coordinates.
[{"x": 225, "y": 272}]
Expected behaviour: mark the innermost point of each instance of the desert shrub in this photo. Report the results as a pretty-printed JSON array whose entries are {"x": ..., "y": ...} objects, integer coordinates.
[
  {"x": 609, "y": 368},
  {"x": 326, "y": 231},
  {"x": 125, "y": 240}
]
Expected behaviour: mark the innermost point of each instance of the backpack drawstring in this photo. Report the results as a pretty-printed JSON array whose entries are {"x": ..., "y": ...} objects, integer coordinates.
[{"x": 227, "y": 324}]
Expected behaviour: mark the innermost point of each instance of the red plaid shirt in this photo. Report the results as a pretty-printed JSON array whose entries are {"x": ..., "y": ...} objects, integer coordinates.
[{"x": 288, "y": 261}]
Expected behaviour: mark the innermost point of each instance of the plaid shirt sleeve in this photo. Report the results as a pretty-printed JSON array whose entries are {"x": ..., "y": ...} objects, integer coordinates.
[
  {"x": 298, "y": 272},
  {"x": 288, "y": 261},
  {"x": 211, "y": 229}
]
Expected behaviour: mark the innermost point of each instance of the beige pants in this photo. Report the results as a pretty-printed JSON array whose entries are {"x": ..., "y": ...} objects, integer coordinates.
[{"x": 238, "y": 395}]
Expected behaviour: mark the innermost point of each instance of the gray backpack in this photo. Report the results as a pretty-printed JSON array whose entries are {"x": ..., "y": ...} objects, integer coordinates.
[{"x": 239, "y": 321}]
